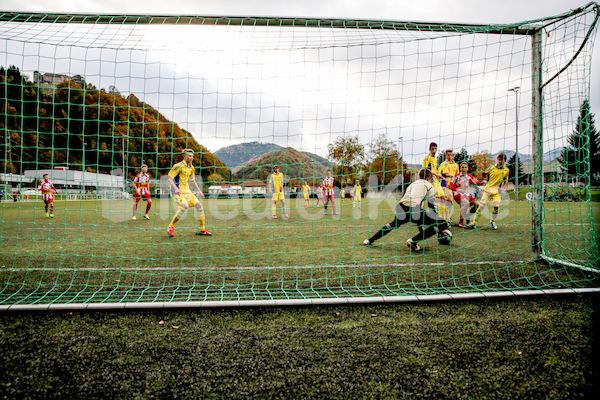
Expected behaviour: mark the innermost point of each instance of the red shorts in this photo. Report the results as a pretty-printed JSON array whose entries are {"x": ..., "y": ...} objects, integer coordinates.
[
  {"x": 142, "y": 193},
  {"x": 47, "y": 197},
  {"x": 459, "y": 197}
]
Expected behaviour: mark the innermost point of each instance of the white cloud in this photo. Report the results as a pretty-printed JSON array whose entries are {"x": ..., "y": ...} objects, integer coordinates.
[{"x": 313, "y": 95}]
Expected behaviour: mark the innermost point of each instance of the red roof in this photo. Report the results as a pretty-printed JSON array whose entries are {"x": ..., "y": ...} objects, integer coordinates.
[{"x": 253, "y": 183}]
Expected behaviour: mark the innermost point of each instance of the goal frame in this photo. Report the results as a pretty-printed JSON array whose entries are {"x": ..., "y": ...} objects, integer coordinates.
[{"x": 533, "y": 30}]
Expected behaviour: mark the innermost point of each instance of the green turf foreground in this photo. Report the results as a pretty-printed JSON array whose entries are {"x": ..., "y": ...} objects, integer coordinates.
[{"x": 519, "y": 348}]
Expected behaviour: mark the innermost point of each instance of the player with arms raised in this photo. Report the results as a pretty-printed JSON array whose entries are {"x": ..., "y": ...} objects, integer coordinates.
[
  {"x": 276, "y": 187},
  {"x": 141, "y": 184},
  {"x": 328, "y": 192},
  {"x": 463, "y": 188},
  {"x": 46, "y": 187},
  {"x": 179, "y": 177},
  {"x": 496, "y": 186}
]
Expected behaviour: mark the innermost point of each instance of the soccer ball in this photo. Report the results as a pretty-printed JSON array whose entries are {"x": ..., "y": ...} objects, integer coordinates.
[{"x": 445, "y": 237}]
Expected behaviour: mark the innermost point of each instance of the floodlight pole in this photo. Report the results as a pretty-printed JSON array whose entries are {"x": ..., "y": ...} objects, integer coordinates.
[{"x": 516, "y": 90}]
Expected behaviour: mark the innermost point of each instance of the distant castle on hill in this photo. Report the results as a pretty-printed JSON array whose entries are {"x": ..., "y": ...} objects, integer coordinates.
[{"x": 51, "y": 80}]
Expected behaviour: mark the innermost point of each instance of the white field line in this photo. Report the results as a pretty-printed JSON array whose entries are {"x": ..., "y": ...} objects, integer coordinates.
[
  {"x": 59, "y": 225},
  {"x": 258, "y": 268}
]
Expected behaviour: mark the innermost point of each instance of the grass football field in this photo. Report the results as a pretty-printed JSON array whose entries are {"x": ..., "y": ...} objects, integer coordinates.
[{"x": 91, "y": 251}]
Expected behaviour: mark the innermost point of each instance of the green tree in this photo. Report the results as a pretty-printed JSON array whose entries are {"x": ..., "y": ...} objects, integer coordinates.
[
  {"x": 386, "y": 162},
  {"x": 584, "y": 143},
  {"x": 348, "y": 157},
  {"x": 511, "y": 164}
]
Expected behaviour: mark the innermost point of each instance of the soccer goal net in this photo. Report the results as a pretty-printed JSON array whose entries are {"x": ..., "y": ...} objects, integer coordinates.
[{"x": 306, "y": 138}]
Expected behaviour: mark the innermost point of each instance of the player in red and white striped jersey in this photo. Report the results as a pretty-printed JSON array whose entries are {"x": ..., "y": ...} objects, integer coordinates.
[
  {"x": 328, "y": 192},
  {"x": 141, "y": 183},
  {"x": 462, "y": 186},
  {"x": 46, "y": 188}
]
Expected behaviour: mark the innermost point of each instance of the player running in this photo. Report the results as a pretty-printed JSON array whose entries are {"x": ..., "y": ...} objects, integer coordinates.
[
  {"x": 276, "y": 187},
  {"x": 497, "y": 181},
  {"x": 179, "y": 177},
  {"x": 328, "y": 192},
  {"x": 357, "y": 195},
  {"x": 46, "y": 187},
  {"x": 306, "y": 191},
  {"x": 463, "y": 192},
  {"x": 141, "y": 184},
  {"x": 411, "y": 208},
  {"x": 448, "y": 169}
]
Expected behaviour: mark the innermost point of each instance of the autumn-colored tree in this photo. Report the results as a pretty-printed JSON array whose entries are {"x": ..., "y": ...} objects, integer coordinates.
[
  {"x": 483, "y": 160},
  {"x": 55, "y": 127},
  {"x": 293, "y": 183},
  {"x": 213, "y": 179}
]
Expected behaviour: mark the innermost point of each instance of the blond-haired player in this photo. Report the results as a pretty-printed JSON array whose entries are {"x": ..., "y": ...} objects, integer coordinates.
[
  {"x": 180, "y": 177},
  {"x": 276, "y": 187},
  {"x": 497, "y": 181}
]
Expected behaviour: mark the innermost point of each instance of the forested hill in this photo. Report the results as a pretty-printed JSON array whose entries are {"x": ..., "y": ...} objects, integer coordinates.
[
  {"x": 245, "y": 154},
  {"x": 294, "y": 164},
  {"x": 49, "y": 127}
]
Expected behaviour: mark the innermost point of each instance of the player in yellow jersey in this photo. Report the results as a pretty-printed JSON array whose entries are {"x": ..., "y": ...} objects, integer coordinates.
[
  {"x": 357, "y": 195},
  {"x": 430, "y": 163},
  {"x": 276, "y": 187},
  {"x": 306, "y": 191},
  {"x": 448, "y": 169},
  {"x": 180, "y": 177},
  {"x": 497, "y": 181}
]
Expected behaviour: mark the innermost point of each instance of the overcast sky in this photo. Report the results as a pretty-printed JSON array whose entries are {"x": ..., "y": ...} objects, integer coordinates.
[{"x": 456, "y": 11}]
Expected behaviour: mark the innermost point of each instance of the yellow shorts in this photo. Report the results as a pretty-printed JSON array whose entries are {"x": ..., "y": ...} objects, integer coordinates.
[
  {"x": 439, "y": 190},
  {"x": 306, "y": 197},
  {"x": 278, "y": 196},
  {"x": 493, "y": 195},
  {"x": 186, "y": 198}
]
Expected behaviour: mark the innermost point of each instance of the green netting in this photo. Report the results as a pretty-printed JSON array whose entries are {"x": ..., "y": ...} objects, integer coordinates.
[{"x": 89, "y": 99}]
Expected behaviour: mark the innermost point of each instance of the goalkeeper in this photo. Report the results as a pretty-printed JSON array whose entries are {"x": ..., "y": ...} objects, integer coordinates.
[{"x": 411, "y": 209}]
